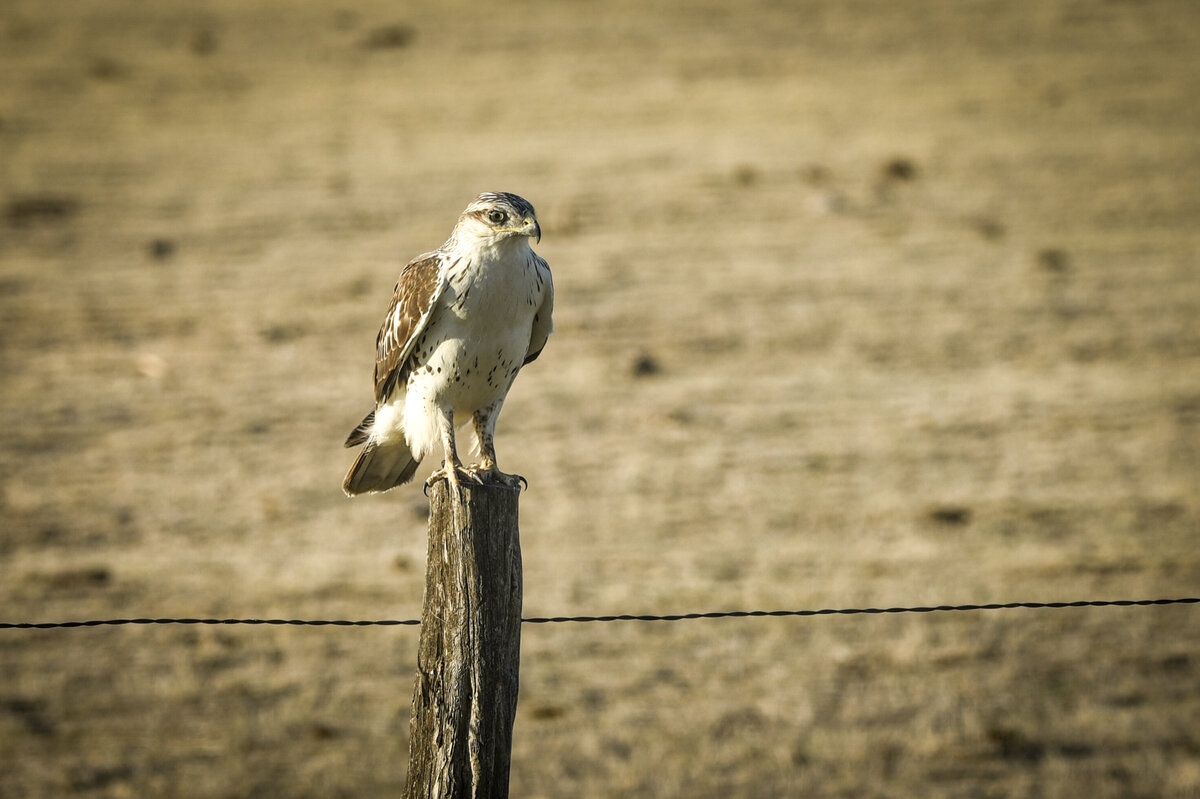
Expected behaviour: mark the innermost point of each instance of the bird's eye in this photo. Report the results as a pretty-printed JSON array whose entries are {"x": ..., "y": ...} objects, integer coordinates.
[{"x": 497, "y": 217}]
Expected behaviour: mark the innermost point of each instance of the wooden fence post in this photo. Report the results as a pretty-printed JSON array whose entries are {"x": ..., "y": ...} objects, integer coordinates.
[{"x": 465, "y": 698}]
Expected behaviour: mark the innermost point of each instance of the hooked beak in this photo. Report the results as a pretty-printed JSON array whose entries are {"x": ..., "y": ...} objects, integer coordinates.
[{"x": 532, "y": 229}]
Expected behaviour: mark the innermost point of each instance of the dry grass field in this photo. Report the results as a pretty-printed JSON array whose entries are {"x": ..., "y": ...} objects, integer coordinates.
[{"x": 859, "y": 303}]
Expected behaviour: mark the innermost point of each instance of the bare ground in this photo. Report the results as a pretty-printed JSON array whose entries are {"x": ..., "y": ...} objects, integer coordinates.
[{"x": 859, "y": 303}]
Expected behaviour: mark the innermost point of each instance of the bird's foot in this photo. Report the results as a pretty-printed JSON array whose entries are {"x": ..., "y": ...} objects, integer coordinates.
[
  {"x": 485, "y": 475},
  {"x": 452, "y": 475}
]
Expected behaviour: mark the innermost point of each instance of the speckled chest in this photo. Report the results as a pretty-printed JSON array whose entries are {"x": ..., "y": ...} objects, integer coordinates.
[{"x": 473, "y": 348}]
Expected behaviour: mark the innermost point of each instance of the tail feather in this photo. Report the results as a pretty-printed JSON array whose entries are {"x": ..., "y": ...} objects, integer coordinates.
[
  {"x": 360, "y": 434},
  {"x": 379, "y": 468}
]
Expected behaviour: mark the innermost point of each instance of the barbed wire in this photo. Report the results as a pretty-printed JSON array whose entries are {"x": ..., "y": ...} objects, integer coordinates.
[
  {"x": 737, "y": 614},
  {"x": 51, "y": 625},
  {"x": 727, "y": 614}
]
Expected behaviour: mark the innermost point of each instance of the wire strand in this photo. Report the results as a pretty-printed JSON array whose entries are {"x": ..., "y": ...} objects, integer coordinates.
[{"x": 728, "y": 614}]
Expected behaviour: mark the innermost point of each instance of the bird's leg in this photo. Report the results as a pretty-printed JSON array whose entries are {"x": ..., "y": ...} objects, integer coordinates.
[
  {"x": 451, "y": 466},
  {"x": 484, "y": 420},
  {"x": 485, "y": 429}
]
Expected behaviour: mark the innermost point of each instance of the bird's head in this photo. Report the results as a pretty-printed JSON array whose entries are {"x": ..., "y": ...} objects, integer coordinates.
[{"x": 498, "y": 216}]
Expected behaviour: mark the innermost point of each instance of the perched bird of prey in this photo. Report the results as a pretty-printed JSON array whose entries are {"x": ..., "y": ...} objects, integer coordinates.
[{"x": 463, "y": 321}]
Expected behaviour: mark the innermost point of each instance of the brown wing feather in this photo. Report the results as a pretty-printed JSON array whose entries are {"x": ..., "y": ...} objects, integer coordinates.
[{"x": 416, "y": 295}]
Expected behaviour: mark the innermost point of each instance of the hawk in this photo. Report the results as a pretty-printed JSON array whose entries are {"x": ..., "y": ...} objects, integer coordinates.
[{"x": 463, "y": 321}]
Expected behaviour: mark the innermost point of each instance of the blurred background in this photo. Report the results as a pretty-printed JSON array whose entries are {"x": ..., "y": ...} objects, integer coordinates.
[{"x": 858, "y": 303}]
